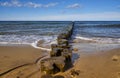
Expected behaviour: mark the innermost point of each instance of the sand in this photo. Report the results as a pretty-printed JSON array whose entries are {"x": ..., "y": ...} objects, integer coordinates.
[
  {"x": 90, "y": 60},
  {"x": 100, "y": 65},
  {"x": 96, "y": 60},
  {"x": 16, "y": 56}
]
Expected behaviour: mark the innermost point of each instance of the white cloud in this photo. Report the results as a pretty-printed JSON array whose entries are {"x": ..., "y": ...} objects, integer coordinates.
[
  {"x": 13, "y": 3},
  {"x": 76, "y": 5},
  {"x": 50, "y": 5},
  {"x": 34, "y": 5},
  {"x": 16, "y": 3}
]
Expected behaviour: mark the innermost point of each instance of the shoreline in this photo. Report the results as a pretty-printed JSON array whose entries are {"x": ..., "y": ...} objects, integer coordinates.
[
  {"x": 91, "y": 64},
  {"x": 101, "y": 65},
  {"x": 96, "y": 60}
]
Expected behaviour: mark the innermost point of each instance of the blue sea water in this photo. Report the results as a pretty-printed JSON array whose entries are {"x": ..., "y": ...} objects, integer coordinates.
[
  {"x": 29, "y": 32},
  {"x": 99, "y": 31}
]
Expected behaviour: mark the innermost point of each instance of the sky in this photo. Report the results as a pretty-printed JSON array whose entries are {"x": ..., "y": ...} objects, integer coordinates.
[{"x": 59, "y": 10}]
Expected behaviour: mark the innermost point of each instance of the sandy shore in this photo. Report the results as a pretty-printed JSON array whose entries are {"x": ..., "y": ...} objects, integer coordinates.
[
  {"x": 15, "y": 56},
  {"x": 101, "y": 65},
  {"x": 96, "y": 60},
  {"x": 92, "y": 60}
]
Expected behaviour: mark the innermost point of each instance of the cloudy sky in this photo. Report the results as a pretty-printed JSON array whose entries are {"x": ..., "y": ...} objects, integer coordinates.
[{"x": 60, "y": 10}]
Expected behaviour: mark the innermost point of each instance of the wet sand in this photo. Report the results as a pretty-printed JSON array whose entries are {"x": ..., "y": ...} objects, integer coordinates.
[
  {"x": 96, "y": 60},
  {"x": 91, "y": 61},
  {"x": 101, "y": 65}
]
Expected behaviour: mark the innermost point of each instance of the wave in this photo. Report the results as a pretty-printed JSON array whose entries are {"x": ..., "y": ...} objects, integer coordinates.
[
  {"x": 33, "y": 40},
  {"x": 99, "y": 39},
  {"x": 35, "y": 45},
  {"x": 83, "y": 38}
]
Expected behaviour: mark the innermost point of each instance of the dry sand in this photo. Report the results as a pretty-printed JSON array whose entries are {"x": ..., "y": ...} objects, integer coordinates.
[
  {"x": 15, "y": 56},
  {"x": 103, "y": 64}
]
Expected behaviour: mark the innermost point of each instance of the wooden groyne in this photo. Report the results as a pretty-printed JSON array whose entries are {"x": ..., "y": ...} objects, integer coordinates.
[{"x": 60, "y": 54}]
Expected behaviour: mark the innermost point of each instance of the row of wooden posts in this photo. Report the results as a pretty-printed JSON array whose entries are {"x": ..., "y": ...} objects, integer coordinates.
[{"x": 60, "y": 54}]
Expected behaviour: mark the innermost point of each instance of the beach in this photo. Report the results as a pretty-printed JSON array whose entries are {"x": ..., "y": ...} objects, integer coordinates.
[
  {"x": 95, "y": 54},
  {"x": 16, "y": 56},
  {"x": 99, "y": 63}
]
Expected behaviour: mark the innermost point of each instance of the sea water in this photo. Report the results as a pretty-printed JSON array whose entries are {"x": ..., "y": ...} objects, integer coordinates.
[
  {"x": 30, "y": 32},
  {"x": 98, "y": 31}
]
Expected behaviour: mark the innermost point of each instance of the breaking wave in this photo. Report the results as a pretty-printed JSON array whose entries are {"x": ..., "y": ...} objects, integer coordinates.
[{"x": 99, "y": 39}]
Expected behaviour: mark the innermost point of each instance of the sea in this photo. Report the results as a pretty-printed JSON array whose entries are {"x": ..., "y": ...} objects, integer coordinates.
[{"x": 31, "y": 32}]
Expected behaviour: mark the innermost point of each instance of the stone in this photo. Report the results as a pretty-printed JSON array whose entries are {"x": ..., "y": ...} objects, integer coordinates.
[
  {"x": 59, "y": 76},
  {"x": 75, "y": 49},
  {"x": 56, "y": 52},
  {"x": 47, "y": 65},
  {"x": 47, "y": 76},
  {"x": 52, "y": 65},
  {"x": 54, "y": 46},
  {"x": 40, "y": 42},
  {"x": 60, "y": 64},
  {"x": 67, "y": 50},
  {"x": 74, "y": 72},
  {"x": 67, "y": 55},
  {"x": 63, "y": 41},
  {"x": 62, "y": 36},
  {"x": 115, "y": 58}
]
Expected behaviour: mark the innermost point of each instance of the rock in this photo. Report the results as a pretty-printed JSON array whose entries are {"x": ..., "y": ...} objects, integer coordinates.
[
  {"x": 40, "y": 42},
  {"x": 115, "y": 58},
  {"x": 63, "y": 41},
  {"x": 61, "y": 36},
  {"x": 67, "y": 50},
  {"x": 76, "y": 41},
  {"x": 47, "y": 76},
  {"x": 47, "y": 65},
  {"x": 52, "y": 65},
  {"x": 54, "y": 46},
  {"x": 59, "y": 76},
  {"x": 74, "y": 72},
  {"x": 61, "y": 55},
  {"x": 75, "y": 49},
  {"x": 56, "y": 52},
  {"x": 60, "y": 46},
  {"x": 67, "y": 55},
  {"x": 60, "y": 64}
]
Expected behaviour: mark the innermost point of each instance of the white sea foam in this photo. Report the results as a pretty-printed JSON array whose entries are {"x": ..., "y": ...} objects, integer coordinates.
[
  {"x": 31, "y": 40},
  {"x": 83, "y": 38},
  {"x": 100, "y": 39},
  {"x": 35, "y": 46}
]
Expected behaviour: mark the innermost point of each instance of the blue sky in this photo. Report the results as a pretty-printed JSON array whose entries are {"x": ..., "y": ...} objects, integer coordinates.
[{"x": 58, "y": 10}]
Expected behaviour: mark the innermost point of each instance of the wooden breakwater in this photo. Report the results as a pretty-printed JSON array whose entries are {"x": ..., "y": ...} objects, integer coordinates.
[{"x": 60, "y": 54}]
